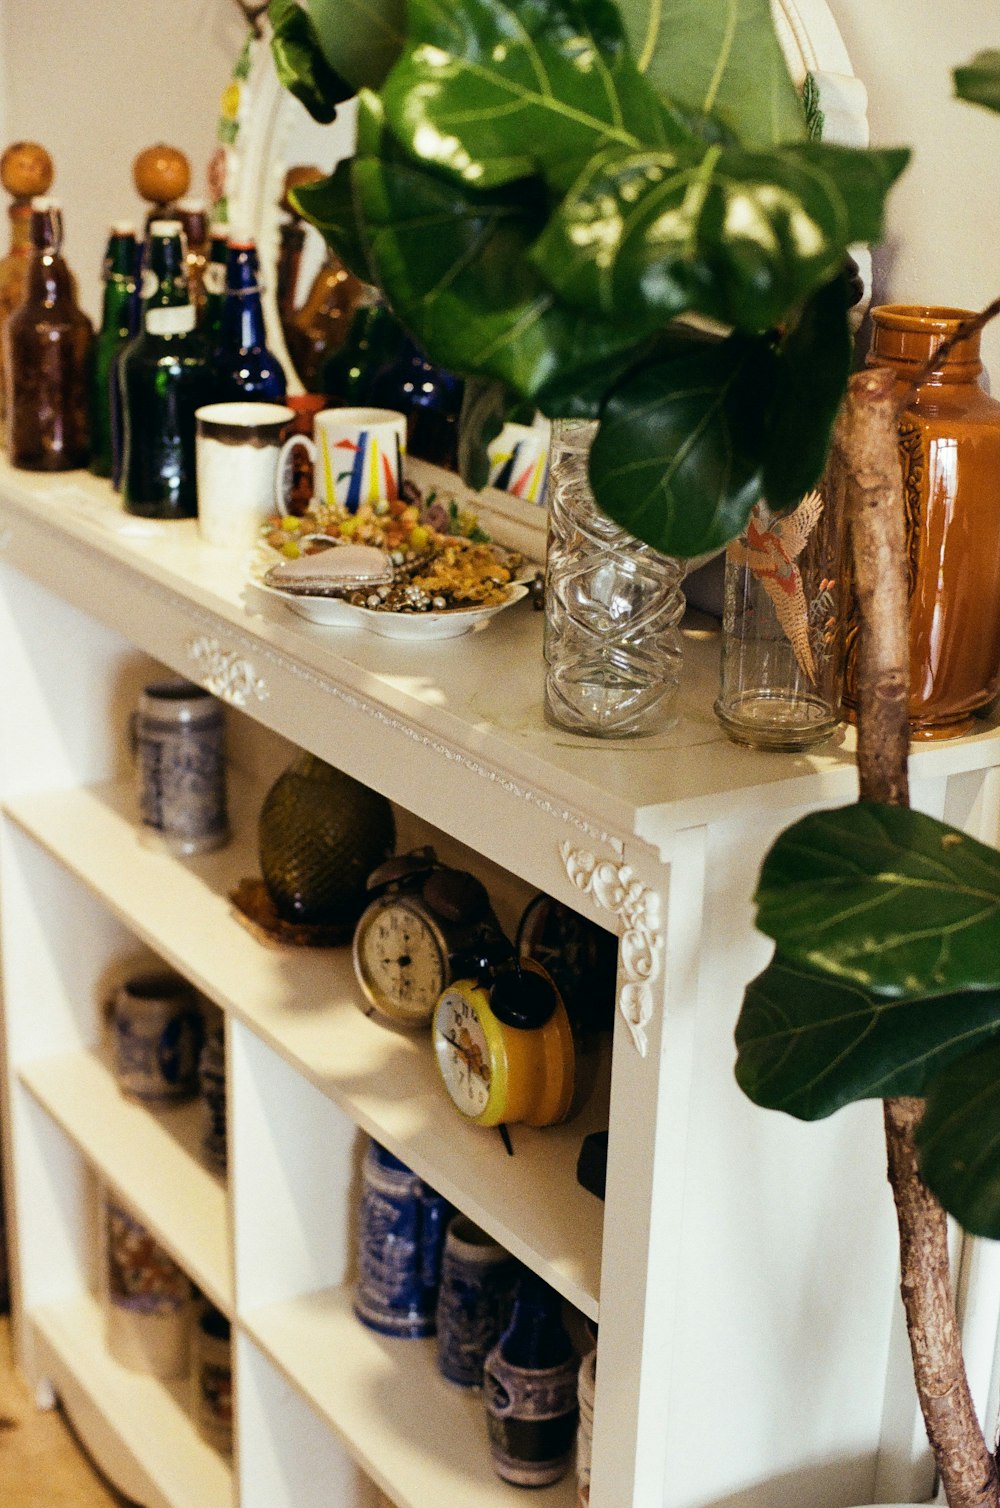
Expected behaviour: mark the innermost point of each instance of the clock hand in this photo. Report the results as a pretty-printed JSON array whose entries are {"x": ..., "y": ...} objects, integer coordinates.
[{"x": 464, "y": 1054}]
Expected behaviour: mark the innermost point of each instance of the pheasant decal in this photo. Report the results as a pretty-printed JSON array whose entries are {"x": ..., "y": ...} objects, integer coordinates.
[{"x": 770, "y": 553}]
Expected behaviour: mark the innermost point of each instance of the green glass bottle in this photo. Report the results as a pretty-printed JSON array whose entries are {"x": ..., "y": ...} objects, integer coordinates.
[
  {"x": 213, "y": 280},
  {"x": 119, "y": 322},
  {"x": 165, "y": 376},
  {"x": 373, "y": 341}
]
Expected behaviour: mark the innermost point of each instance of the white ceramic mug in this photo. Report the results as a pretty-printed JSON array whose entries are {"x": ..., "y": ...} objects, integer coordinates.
[
  {"x": 357, "y": 456},
  {"x": 236, "y": 452}
]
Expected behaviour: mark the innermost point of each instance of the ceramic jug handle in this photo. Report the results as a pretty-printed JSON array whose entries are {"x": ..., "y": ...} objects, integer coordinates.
[{"x": 283, "y": 482}]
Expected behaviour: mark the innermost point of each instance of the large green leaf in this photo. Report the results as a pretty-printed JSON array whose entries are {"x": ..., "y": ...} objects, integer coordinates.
[
  {"x": 486, "y": 405},
  {"x": 979, "y": 81},
  {"x": 300, "y": 63},
  {"x": 814, "y": 360},
  {"x": 677, "y": 458},
  {"x": 741, "y": 237},
  {"x": 492, "y": 91},
  {"x": 454, "y": 267},
  {"x": 889, "y": 899},
  {"x": 361, "y": 38},
  {"x": 329, "y": 205},
  {"x": 718, "y": 57},
  {"x": 958, "y": 1141},
  {"x": 808, "y": 1044}
]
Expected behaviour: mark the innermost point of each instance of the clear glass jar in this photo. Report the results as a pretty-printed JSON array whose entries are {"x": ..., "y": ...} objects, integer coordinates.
[
  {"x": 612, "y": 606},
  {"x": 783, "y": 628}
]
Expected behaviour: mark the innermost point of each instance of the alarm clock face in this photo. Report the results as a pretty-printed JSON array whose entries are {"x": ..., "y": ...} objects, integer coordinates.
[
  {"x": 401, "y": 960},
  {"x": 463, "y": 1054}
]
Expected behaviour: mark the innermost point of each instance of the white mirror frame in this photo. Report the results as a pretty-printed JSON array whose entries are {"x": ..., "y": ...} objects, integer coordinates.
[{"x": 270, "y": 121}]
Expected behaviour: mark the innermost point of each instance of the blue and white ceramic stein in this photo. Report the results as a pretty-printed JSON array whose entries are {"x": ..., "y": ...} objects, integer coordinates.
[
  {"x": 477, "y": 1290},
  {"x": 401, "y": 1239}
]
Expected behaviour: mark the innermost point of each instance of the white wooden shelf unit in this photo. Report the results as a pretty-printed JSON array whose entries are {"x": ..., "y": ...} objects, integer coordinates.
[{"x": 742, "y": 1269}]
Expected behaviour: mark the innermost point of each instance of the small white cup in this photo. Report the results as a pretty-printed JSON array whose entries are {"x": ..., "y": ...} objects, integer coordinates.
[
  {"x": 357, "y": 457},
  {"x": 236, "y": 450}
]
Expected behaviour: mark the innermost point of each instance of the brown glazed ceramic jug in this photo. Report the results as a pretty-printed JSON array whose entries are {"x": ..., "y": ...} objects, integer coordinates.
[{"x": 949, "y": 442}]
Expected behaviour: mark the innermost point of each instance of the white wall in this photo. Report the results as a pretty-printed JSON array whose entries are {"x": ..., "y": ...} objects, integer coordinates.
[
  {"x": 96, "y": 81},
  {"x": 943, "y": 245}
]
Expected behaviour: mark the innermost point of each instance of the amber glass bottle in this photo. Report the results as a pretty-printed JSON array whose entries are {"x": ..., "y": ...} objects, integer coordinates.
[
  {"x": 25, "y": 171},
  {"x": 47, "y": 343},
  {"x": 949, "y": 441}
]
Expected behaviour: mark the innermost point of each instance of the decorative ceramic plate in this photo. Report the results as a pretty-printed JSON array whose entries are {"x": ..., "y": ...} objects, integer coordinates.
[{"x": 331, "y": 612}]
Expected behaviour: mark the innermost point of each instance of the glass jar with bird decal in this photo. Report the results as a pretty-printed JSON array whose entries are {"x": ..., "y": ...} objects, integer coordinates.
[{"x": 783, "y": 628}]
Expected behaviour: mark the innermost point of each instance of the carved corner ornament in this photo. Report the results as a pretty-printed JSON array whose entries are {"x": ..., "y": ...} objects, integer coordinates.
[
  {"x": 225, "y": 675},
  {"x": 613, "y": 887}
]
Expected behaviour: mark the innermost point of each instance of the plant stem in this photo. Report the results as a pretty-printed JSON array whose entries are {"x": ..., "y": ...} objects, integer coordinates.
[
  {"x": 866, "y": 478},
  {"x": 865, "y": 472}
]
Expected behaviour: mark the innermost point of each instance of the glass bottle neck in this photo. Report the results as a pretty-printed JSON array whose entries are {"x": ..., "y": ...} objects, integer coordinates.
[
  {"x": 242, "y": 312},
  {"x": 168, "y": 309}
]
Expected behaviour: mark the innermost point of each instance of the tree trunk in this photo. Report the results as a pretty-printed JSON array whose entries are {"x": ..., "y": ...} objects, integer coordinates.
[{"x": 864, "y": 475}]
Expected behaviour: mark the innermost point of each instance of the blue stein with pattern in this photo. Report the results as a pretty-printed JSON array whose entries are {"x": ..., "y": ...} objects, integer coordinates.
[
  {"x": 156, "y": 1037},
  {"x": 403, "y": 1224},
  {"x": 477, "y": 1290},
  {"x": 530, "y": 1390}
]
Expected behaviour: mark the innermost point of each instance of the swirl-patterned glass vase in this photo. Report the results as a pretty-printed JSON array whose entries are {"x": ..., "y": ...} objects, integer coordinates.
[{"x": 612, "y": 606}]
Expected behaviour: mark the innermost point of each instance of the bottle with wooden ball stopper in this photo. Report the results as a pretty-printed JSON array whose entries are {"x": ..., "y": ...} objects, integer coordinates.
[
  {"x": 46, "y": 352},
  {"x": 25, "y": 170},
  {"x": 161, "y": 175}
]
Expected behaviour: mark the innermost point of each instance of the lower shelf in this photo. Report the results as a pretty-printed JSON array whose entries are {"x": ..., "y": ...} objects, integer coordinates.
[
  {"x": 138, "y": 1429},
  {"x": 420, "y": 1439},
  {"x": 152, "y": 1157}
]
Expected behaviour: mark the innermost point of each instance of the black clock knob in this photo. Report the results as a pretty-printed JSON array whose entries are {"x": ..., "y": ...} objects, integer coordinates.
[{"x": 524, "y": 998}]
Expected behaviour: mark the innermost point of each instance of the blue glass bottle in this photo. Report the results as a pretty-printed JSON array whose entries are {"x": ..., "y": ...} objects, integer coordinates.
[
  {"x": 431, "y": 399},
  {"x": 244, "y": 367},
  {"x": 530, "y": 1390}
]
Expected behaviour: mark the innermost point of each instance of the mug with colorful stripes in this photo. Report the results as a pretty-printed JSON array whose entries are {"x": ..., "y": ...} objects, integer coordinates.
[{"x": 357, "y": 457}]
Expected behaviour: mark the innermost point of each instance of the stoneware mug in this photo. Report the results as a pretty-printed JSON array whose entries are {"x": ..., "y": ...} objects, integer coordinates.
[
  {"x": 177, "y": 734},
  {"x": 236, "y": 452},
  {"x": 148, "y": 1300},
  {"x": 477, "y": 1287},
  {"x": 401, "y": 1237},
  {"x": 156, "y": 1036},
  {"x": 357, "y": 457}
]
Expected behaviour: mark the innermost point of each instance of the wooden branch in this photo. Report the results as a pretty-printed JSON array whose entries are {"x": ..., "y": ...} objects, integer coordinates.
[
  {"x": 865, "y": 475},
  {"x": 968, "y": 1471},
  {"x": 970, "y": 326}
]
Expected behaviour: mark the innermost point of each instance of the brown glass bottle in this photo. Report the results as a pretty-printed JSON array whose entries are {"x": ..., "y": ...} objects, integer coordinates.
[
  {"x": 25, "y": 170},
  {"x": 949, "y": 442},
  {"x": 46, "y": 347}
]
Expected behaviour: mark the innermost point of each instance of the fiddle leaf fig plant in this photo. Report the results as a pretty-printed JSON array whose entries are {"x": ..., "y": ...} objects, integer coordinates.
[
  {"x": 544, "y": 190},
  {"x": 885, "y": 982}
]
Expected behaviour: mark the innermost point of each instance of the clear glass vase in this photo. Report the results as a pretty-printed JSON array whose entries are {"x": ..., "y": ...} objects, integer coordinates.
[
  {"x": 612, "y": 606},
  {"x": 783, "y": 628}
]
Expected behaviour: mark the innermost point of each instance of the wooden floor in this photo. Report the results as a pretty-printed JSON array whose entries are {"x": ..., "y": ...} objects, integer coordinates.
[{"x": 41, "y": 1463}]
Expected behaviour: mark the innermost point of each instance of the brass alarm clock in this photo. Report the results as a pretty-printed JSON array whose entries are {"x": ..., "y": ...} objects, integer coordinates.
[
  {"x": 426, "y": 925},
  {"x": 504, "y": 1046}
]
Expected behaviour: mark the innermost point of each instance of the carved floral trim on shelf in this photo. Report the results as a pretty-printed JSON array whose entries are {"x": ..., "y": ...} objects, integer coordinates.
[
  {"x": 225, "y": 675},
  {"x": 613, "y": 887}
]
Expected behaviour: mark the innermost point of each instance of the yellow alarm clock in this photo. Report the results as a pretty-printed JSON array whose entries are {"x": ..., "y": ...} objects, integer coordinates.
[{"x": 505, "y": 1049}]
